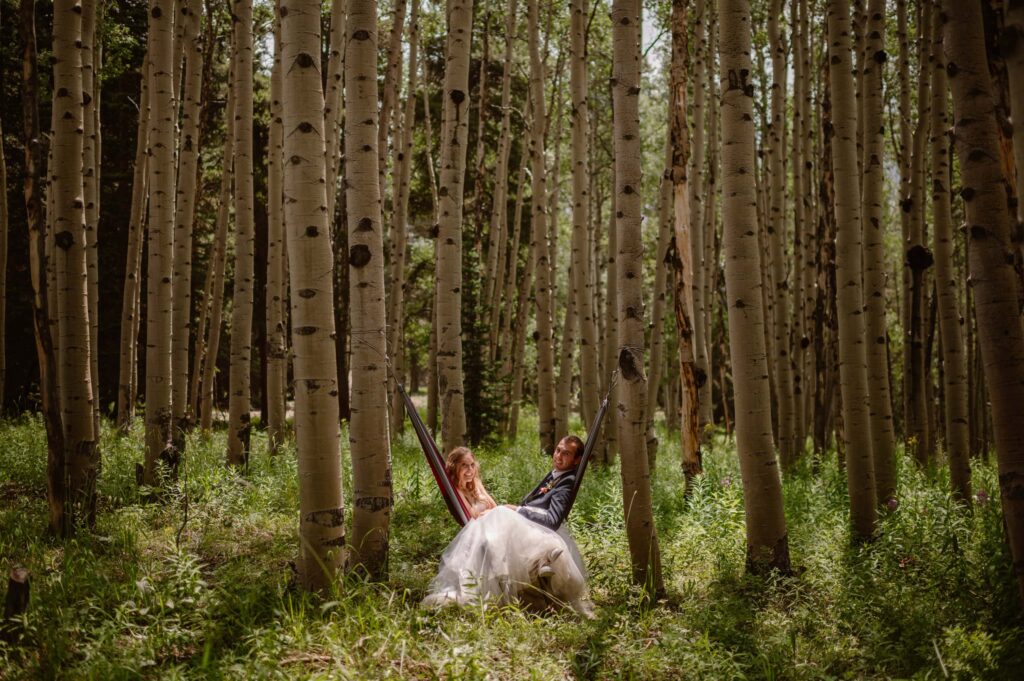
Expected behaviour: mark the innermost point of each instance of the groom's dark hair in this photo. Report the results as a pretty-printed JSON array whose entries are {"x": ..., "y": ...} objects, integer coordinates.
[{"x": 577, "y": 445}]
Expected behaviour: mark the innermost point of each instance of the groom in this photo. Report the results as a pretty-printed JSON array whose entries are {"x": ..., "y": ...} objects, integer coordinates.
[{"x": 546, "y": 503}]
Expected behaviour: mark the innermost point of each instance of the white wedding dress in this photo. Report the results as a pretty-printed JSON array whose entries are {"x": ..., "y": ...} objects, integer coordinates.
[{"x": 502, "y": 556}]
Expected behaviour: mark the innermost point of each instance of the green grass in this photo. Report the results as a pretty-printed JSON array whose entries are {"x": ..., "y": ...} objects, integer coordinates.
[{"x": 933, "y": 597}]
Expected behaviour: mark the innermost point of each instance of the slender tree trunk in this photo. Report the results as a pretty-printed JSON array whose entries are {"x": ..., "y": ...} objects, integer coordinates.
[
  {"x": 389, "y": 95},
  {"x": 515, "y": 363},
  {"x": 126, "y": 386},
  {"x": 801, "y": 273},
  {"x": 954, "y": 359},
  {"x": 239, "y": 389},
  {"x": 539, "y": 232},
  {"x": 454, "y": 136},
  {"x": 853, "y": 375},
  {"x": 32, "y": 143},
  {"x": 90, "y": 188},
  {"x": 4, "y": 219},
  {"x": 883, "y": 438},
  {"x": 402, "y": 164},
  {"x": 611, "y": 327},
  {"x": 69, "y": 225},
  {"x": 160, "y": 241},
  {"x": 310, "y": 260},
  {"x": 368, "y": 437},
  {"x": 498, "y": 243},
  {"x": 993, "y": 282},
  {"x": 277, "y": 345},
  {"x": 698, "y": 209},
  {"x": 188, "y": 165},
  {"x": 767, "y": 540},
  {"x": 428, "y": 152},
  {"x": 682, "y": 250},
  {"x": 664, "y": 254},
  {"x": 334, "y": 108},
  {"x": 636, "y": 480},
  {"x": 919, "y": 259},
  {"x": 776, "y": 228},
  {"x": 709, "y": 269},
  {"x": 506, "y": 339},
  {"x": 219, "y": 262}
]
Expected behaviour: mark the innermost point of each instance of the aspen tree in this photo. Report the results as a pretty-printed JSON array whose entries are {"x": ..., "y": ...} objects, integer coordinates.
[
  {"x": 581, "y": 174},
  {"x": 954, "y": 358},
  {"x": 128, "y": 357},
  {"x": 883, "y": 438},
  {"x": 317, "y": 436},
  {"x": 4, "y": 216},
  {"x": 333, "y": 103},
  {"x": 389, "y": 94},
  {"x": 402, "y": 165},
  {"x": 497, "y": 239},
  {"x": 849, "y": 270},
  {"x": 539, "y": 234},
  {"x": 663, "y": 253},
  {"x": 277, "y": 345},
  {"x": 1000, "y": 333},
  {"x": 801, "y": 273},
  {"x": 219, "y": 261},
  {"x": 682, "y": 251},
  {"x": 711, "y": 240},
  {"x": 69, "y": 227},
  {"x": 368, "y": 434},
  {"x": 160, "y": 240},
  {"x": 90, "y": 191},
  {"x": 918, "y": 257},
  {"x": 239, "y": 389},
  {"x": 698, "y": 210},
  {"x": 185, "y": 211},
  {"x": 775, "y": 233},
  {"x": 632, "y": 393},
  {"x": 454, "y": 135},
  {"x": 905, "y": 152},
  {"x": 767, "y": 540}
]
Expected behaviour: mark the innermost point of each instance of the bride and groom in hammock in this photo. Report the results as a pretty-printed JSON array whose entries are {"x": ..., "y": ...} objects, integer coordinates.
[{"x": 507, "y": 552}]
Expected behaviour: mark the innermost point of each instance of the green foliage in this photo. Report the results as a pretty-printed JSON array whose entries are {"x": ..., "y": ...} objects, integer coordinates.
[{"x": 201, "y": 585}]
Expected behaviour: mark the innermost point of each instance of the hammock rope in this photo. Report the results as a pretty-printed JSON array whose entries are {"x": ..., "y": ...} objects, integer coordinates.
[{"x": 452, "y": 499}]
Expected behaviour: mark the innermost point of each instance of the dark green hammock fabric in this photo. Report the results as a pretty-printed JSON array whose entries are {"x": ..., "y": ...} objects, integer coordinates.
[{"x": 452, "y": 499}]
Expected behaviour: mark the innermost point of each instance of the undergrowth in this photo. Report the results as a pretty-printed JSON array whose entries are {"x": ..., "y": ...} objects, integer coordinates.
[{"x": 156, "y": 592}]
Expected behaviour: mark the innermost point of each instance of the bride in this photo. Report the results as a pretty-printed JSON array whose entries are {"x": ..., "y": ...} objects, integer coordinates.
[{"x": 501, "y": 555}]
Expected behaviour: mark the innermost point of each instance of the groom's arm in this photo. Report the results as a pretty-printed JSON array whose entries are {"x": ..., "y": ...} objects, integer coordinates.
[{"x": 550, "y": 517}]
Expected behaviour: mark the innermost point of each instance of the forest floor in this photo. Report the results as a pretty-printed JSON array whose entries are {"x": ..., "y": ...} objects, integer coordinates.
[{"x": 151, "y": 594}]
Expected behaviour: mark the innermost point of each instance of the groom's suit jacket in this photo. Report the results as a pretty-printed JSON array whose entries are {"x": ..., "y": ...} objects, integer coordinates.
[{"x": 547, "y": 502}]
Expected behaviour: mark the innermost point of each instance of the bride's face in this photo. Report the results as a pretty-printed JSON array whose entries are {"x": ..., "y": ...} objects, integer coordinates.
[{"x": 466, "y": 471}]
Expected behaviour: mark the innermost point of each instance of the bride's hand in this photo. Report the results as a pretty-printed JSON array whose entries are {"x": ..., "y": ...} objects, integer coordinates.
[{"x": 512, "y": 506}]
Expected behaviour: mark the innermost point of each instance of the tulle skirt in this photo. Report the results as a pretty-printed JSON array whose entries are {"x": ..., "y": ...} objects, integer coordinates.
[{"x": 502, "y": 556}]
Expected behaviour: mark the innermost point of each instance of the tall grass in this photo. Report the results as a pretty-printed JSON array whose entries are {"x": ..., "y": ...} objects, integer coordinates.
[{"x": 201, "y": 584}]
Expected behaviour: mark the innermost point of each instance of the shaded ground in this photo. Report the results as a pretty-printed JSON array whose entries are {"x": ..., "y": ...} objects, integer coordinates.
[{"x": 932, "y": 597}]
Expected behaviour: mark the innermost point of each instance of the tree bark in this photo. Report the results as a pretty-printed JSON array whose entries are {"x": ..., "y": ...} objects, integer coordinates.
[
  {"x": 853, "y": 375},
  {"x": 454, "y": 136},
  {"x": 993, "y": 280},
  {"x": 698, "y": 209},
  {"x": 682, "y": 249},
  {"x": 334, "y": 108},
  {"x": 239, "y": 389},
  {"x": 188, "y": 166},
  {"x": 126, "y": 387},
  {"x": 90, "y": 189},
  {"x": 539, "y": 231},
  {"x": 630, "y": 408},
  {"x": 1013, "y": 50},
  {"x": 954, "y": 359},
  {"x": 277, "y": 330},
  {"x": 368, "y": 434},
  {"x": 767, "y": 539},
  {"x": 310, "y": 267},
  {"x": 69, "y": 226},
  {"x": 498, "y": 243},
  {"x": 883, "y": 438},
  {"x": 776, "y": 228},
  {"x": 402, "y": 165},
  {"x": 32, "y": 143}
]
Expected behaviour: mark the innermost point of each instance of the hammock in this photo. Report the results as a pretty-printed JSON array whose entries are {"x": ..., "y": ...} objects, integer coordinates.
[{"x": 452, "y": 499}]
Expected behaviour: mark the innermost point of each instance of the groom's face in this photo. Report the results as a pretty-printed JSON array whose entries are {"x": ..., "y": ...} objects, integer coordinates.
[{"x": 566, "y": 457}]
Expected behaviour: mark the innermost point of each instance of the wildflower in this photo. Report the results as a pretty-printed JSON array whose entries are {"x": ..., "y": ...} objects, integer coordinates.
[
  {"x": 892, "y": 504},
  {"x": 981, "y": 496},
  {"x": 726, "y": 481}
]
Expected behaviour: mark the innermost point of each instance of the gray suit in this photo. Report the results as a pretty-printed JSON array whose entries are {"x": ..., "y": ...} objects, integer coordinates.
[{"x": 548, "y": 508}]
